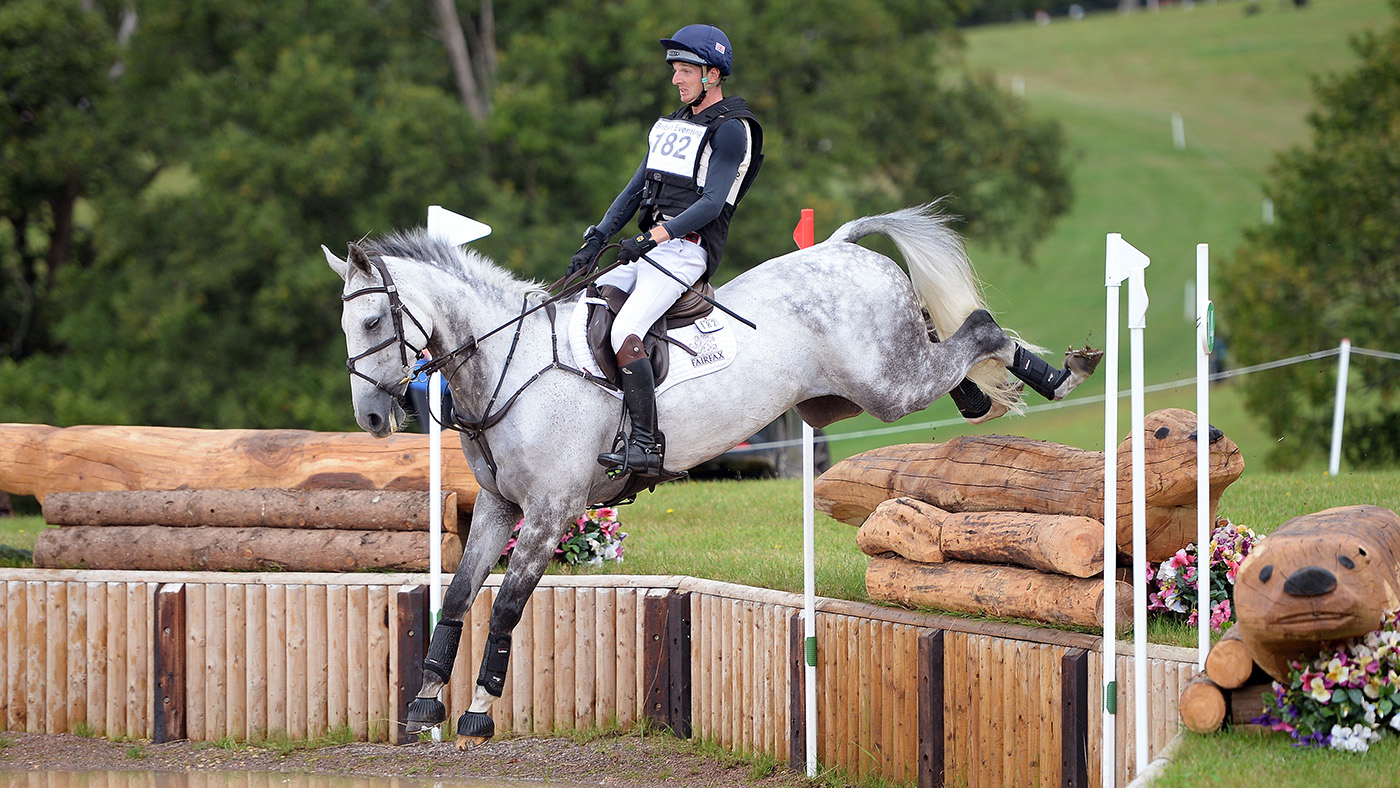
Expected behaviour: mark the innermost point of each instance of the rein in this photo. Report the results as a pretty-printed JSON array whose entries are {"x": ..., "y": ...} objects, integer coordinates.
[{"x": 472, "y": 428}]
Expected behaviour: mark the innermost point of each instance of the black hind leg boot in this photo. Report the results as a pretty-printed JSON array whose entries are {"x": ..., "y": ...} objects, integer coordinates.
[
  {"x": 642, "y": 453},
  {"x": 1037, "y": 373},
  {"x": 973, "y": 403}
]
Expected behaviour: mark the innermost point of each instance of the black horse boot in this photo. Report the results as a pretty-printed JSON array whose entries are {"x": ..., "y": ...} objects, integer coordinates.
[{"x": 642, "y": 453}]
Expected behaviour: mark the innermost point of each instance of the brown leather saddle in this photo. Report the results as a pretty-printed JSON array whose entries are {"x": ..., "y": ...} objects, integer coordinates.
[{"x": 689, "y": 308}]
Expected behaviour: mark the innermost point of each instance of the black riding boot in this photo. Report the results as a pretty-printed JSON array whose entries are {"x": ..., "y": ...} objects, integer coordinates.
[{"x": 642, "y": 454}]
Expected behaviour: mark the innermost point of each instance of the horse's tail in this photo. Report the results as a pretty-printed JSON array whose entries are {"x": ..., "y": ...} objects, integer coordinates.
[{"x": 943, "y": 279}]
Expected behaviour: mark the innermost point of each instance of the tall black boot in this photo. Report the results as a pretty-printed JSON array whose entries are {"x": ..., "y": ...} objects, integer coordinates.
[{"x": 642, "y": 454}]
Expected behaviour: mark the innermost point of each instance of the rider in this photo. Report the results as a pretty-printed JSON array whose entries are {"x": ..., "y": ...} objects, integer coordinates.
[{"x": 701, "y": 160}]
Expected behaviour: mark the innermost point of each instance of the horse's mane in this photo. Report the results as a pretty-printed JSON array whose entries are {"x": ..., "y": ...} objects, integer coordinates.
[{"x": 467, "y": 265}]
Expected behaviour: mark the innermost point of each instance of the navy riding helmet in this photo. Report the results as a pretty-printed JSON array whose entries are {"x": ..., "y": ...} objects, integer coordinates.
[{"x": 703, "y": 45}]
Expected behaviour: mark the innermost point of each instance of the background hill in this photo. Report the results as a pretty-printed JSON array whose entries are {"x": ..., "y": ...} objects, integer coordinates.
[{"x": 1240, "y": 76}]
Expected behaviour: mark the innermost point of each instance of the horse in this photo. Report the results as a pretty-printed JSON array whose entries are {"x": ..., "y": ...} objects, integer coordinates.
[{"x": 840, "y": 329}]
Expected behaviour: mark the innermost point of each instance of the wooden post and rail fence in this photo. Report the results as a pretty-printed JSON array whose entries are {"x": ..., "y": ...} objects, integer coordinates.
[{"x": 910, "y": 697}]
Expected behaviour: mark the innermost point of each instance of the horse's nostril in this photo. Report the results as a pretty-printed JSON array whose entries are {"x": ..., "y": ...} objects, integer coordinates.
[
  {"x": 375, "y": 420},
  {"x": 1310, "y": 581}
]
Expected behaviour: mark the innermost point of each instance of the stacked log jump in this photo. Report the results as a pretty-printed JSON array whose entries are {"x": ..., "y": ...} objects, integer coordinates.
[
  {"x": 1011, "y": 526},
  {"x": 167, "y": 498},
  {"x": 1316, "y": 581}
]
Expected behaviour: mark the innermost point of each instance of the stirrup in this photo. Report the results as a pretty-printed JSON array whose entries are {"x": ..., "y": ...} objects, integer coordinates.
[{"x": 619, "y": 461}]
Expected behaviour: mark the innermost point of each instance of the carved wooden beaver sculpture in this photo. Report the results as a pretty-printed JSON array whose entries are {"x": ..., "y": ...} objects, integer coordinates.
[{"x": 1317, "y": 579}]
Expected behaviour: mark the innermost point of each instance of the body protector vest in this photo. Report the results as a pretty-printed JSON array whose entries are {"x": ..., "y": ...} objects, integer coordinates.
[{"x": 678, "y": 161}]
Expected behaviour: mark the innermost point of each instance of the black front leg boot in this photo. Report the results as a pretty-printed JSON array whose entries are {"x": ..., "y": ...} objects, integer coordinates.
[
  {"x": 1037, "y": 373},
  {"x": 425, "y": 713}
]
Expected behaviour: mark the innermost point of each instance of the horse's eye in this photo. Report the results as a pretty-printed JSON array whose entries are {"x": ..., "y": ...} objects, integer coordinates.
[{"x": 372, "y": 324}]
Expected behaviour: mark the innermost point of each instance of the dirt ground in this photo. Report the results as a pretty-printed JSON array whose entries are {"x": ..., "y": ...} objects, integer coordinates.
[{"x": 657, "y": 760}]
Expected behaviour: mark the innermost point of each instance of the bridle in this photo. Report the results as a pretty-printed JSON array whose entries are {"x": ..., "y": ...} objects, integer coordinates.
[
  {"x": 460, "y": 355},
  {"x": 396, "y": 313}
]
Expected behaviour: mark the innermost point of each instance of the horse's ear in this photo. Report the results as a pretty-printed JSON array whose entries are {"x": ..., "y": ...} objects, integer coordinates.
[
  {"x": 359, "y": 260},
  {"x": 341, "y": 268}
]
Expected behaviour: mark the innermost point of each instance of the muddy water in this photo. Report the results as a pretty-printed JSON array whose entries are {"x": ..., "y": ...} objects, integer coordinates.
[{"x": 125, "y": 779}]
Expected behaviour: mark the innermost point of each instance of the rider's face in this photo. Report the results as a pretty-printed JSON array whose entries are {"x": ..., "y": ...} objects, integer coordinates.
[{"x": 686, "y": 77}]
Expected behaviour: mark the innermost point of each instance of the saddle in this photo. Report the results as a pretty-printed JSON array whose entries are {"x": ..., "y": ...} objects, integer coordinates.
[{"x": 689, "y": 308}]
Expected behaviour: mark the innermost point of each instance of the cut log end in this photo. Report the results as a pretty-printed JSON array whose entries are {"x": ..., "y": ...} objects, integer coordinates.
[{"x": 1202, "y": 706}]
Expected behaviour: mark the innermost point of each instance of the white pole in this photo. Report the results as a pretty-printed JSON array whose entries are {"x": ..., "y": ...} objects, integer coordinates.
[
  {"x": 1137, "y": 323},
  {"x": 1205, "y": 339},
  {"x": 455, "y": 229},
  {"x": 1334, "y": 463},
  {"x": 1115, "y": 271},
  {"x": 809, "y": 593}
]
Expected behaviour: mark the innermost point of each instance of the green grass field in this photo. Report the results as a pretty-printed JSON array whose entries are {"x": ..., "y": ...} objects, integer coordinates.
[{"x": 1242, "y": 84}]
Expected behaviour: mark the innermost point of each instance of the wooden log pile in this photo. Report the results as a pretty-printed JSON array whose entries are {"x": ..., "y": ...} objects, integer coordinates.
[
  {"x": 1011, "y": 526},
  {"x": 1316, "y": 581},
  {"x": 170, "y": 499}
]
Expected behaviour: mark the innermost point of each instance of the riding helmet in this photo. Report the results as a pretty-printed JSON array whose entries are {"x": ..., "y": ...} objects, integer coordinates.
[{"x": 703, "y": 45}]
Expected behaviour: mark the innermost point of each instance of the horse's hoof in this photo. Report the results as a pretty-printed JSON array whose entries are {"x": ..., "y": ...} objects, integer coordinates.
[
  {"x": 474, "y": 727},
  {"x": 465, "y": 742},
  {"x": 425, "y": 713},
  {"x": 1083, "y": 361}
]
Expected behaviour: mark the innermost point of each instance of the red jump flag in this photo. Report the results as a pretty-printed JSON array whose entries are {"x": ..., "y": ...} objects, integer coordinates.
[{"x": 804, "y": 234}]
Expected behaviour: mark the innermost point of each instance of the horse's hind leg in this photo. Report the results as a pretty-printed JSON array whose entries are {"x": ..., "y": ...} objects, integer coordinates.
[
  {"x": 1049, "y": 382},
  {"x": 493, "y": 520},
  {"x": 532, "y": 554}
]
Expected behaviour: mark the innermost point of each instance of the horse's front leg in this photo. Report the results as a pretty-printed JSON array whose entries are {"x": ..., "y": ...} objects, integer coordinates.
[
  {"x": 532, "y": 554},
  {"x": 493, "y": 520}
]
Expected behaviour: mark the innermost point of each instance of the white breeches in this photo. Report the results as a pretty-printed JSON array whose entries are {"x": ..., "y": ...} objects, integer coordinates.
[{"x": 651, "y": 291}]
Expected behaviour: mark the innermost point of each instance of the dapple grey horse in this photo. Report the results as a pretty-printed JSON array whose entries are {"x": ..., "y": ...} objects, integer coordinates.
[{"x": 840, "y": 329}]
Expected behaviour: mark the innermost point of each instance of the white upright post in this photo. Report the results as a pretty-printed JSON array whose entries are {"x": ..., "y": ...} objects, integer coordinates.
[
  {"x": 1121, "y": 261},
  {"x": 1137, "y": 323},
  {"x": 1205, "y": 342},
  {"x": 809, "y": 593},
  {"x": 1334, "y": 462},
  {"x": 454, "y": 229}
]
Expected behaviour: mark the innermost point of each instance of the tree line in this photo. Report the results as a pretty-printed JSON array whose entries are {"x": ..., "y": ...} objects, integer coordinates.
[{"x": 169, "y": 168}]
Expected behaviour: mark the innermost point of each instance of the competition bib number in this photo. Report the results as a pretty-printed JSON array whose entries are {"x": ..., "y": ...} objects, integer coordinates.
[{"x": 675, "y": 146}]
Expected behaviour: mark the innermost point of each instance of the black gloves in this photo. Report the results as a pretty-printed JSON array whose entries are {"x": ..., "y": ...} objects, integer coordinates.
[
  {"x": 585, "y": 255},
  {"x": 633, "y": 248}
]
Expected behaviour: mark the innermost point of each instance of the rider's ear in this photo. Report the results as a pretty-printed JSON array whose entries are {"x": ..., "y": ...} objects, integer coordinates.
[{"x": 358, "y": 259}]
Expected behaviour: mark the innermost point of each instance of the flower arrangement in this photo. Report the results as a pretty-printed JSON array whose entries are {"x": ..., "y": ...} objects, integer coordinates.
[
  {"x": 1345, "y": 699},
  {"x": 592, "y": 539},
  {"x": 1172, "y": 585}
]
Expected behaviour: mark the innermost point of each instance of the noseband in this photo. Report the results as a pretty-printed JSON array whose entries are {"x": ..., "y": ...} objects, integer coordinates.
[{"x": 396, "y": 312}]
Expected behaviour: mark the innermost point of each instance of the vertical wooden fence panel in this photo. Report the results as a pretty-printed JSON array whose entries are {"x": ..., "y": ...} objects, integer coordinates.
[
  {"x": 337, "y": 656},
  {"x": 255, "y": 660},
  {"x": 585, "y": 636},
  {"x": 296, "y": 661},
  {"x": 357, "y": 659},
  {"x": 277, "y": 659},
  {"x": 36, "y": 720},
  {"x": 215, "y": 662},
  {"x": 678, "y": 644},
  {"x": 1076, "y": 704},
  {"x": 411, "y": 628},
  {"x": 656, "y": 693},
  {"x": 236, "y": 649},
  {"x": 168, "y": 709},
  {"x": 7, "y": 666},
  {"x": 605, "y": 657},
  {"x": 932, "y": 702},
  {"x": 522, "y": 670},
  {"x": 628, "y": 663},
  {"x": 77, "y": 653},
  {"x": 377, "y": 709},
  {"x": 317, "y": 660},
  {"x": 564, "y": 656},
  {"x": 17, "y": 623},
  {"x": 96, "y": 656},
  {"x": 542, "y": 655},
  {"x": 55, "y": 601}
]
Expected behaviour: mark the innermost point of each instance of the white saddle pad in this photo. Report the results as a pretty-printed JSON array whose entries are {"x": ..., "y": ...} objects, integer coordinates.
[{"x": 711, "y": 338}]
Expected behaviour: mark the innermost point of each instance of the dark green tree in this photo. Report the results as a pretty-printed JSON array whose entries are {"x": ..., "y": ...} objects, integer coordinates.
[
  {"x": 1328, "y": 268},
  {"x": 235, "y": 138},
  {"x": 53, "y": 152}
]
